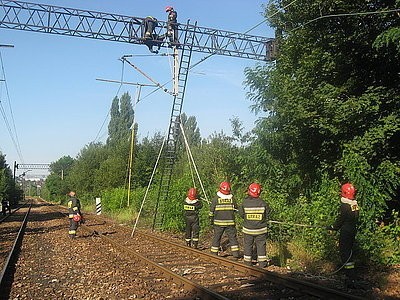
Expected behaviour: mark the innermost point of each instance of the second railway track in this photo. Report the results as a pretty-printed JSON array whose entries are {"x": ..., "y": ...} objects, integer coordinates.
[{"x": 106, "y": 262}]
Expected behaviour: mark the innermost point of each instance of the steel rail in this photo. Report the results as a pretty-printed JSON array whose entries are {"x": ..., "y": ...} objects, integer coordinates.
[
  {"x": 304, "y": 287},
  {"x": 290, "y": 282},
  {"x": 190, "y": 286},
  {"x": 13, "y": 252}
]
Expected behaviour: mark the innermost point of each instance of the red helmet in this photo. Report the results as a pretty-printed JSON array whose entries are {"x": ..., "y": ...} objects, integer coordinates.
[
  {"x": 169, "y": 8},
  {"x": 254, "y": 190},
  {"x": 225, "y": 188},
  {"x": 77, "y": 217},
  {"x": 348, "y": 191},
  {"x": 192, "y": 194}
]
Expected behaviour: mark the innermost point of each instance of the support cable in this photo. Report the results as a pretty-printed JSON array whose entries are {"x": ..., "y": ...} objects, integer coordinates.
[
  {"x": 108, "y": 113},
  {"x": 148, "y": 186},
  {"x": 190, "y": 166},
  {"x": 194, "y": 164},
  {"x": 145, "y": 75}
]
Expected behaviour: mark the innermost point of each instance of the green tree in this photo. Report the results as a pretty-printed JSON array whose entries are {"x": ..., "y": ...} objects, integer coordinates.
[
  {"x": 121, "y": 121},
  {"x": 332, "y": 100}
]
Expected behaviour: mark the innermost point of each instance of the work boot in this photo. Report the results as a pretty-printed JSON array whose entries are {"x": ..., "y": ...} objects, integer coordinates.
[
  {"x": 188, "y": 243},
  {"x": 195, "y": 245},
  {"x": 349, "y": 283},
  {"x": 262, "y": 264}
]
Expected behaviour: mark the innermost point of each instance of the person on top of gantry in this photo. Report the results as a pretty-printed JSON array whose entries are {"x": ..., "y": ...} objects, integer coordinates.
[
  {"x": 150, "y": 38},
  {"x": 172, "y": 25},
  {"x": 191, "y": 207}
]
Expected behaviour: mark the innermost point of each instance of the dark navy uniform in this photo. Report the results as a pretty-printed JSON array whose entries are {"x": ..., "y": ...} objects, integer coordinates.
[
  {"x": 74, "y": 208},
  {"x": 346, "y": 222},
  {"x": 191, "y": 209},
  {"x": 222, "y": 216},
  {"x": 5, "y": 205},
  {"x": 172, "y": 26},
  {"x": 255, "y": 213}
]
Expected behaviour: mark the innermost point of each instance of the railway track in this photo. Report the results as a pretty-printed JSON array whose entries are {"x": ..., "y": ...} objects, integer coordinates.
[
  {"x": 171, "y": 270},
  {"x": 12, "y": 229},
  {"x": 228, "y": 278}
]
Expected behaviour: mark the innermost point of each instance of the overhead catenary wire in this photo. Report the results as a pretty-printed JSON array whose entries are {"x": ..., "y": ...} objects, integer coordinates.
[
  {"x": 347, "y": 15},
  {"x": 117, "y": 93},
  {"x": 13, "y": 135}
]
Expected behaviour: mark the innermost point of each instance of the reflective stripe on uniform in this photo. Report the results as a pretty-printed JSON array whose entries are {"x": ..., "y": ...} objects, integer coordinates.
[
  {"x": 235, "y": 248},
  {"x": 225, "y": 207},
  {"x": 349, "y": 265},
  {"x": 246, "y": 257},
  {"x": 214, "y": 249},
  {"x": 72, "y": 232},
  {"x": 262, "y": 258},
  {"x": 254, "y": 210},
  {"x": 224, "y": 222},
  {"x": 254, "y": 231}
]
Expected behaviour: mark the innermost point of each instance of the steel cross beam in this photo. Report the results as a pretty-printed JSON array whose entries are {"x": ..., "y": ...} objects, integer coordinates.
[
  {"x": 112, "y": 27},
  {"x": 33, "y": 166}
]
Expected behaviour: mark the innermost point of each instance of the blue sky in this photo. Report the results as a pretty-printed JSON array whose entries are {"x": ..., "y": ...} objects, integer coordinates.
[{"x": 58, "y": 105}]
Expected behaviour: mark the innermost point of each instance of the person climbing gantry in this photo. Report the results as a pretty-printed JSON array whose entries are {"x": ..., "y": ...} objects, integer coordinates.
[
  {"x": 150, "y": 38},
  {"x": 74, "y": 214},
  {"x": 346, "y": 222},
  {"x": 191, "y": 207},
  {"x": 254, "y": 211},
  {"x": 172, "y": 25},
  {"x": 149, "y": 24},
  {"x": 222, "y": 217}
]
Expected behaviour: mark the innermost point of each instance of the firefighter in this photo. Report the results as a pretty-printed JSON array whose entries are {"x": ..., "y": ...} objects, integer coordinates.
[
  {"x": 172, "y": 25},
  {"x": 346, "y": 222},
  {"x": 151, "y": 39},
  {"x": 74, "y": 214},
  {"x": 149, "y": 24},
  {"x": 222, "y": 217},
  {"x": 5, "y": 205},
  {"x": 254, "y": 211},
  {"x": 191, "y": 207}
]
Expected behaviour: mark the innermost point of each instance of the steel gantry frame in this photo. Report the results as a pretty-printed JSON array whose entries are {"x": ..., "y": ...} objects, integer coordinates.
[{"x": 50, "y": 19}]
